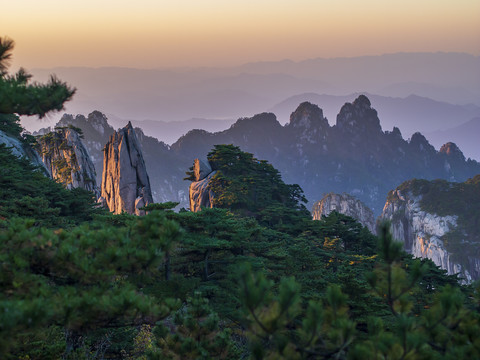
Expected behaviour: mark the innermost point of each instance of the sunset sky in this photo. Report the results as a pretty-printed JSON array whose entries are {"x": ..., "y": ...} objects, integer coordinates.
[{"x": 159, "y": 33}]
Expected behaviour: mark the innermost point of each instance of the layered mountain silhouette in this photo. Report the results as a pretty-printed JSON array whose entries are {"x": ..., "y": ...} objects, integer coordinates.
[{"x": 354, "y": 156}]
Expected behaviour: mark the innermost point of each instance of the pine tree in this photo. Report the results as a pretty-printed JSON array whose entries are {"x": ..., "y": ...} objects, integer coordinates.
[{"x": 19, "y": 96}]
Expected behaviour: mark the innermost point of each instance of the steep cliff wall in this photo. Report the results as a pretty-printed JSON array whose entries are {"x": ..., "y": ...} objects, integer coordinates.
[
  {"x": 347, "y": 205},
  {"x": 354, "y": 156},
  {"x": 125, "y": 183},
  {"x": 165, "y": 168},
  {"x": 200, "y": 194},
  {"x": 429, "y": 228},
  {"x": 67, "y": 160},
  {"x": 20, "y": 149}
]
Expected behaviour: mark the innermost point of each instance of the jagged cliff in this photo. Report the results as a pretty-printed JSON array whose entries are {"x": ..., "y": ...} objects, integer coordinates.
[
  {"x": 125, "y": 183},
  {"x": 67, "y": 160},
  {"x": 354, "y": 156},
  {"x": 347, "y": 205},
  {"x": 200, "y": 194},
  {"x": 165, "y": 168},
  {"x": 438, "y": 220},
  {"x": 21, "y": 149}
]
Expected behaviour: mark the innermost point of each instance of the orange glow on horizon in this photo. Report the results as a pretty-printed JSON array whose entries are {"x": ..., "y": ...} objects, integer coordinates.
[{"x": 148, "y": 33}]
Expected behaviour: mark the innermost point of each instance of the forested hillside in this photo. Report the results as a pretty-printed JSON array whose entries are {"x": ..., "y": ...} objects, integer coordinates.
[
  {"x": 234, "y": 282},
  {"x": 255, "y": 278},
  {"x": 355, "y": 156}
]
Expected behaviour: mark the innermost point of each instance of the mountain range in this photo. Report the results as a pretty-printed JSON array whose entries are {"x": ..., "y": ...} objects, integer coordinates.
[
  {"x": 354, "y": 156},
  {"x": 425, "y": 92}
]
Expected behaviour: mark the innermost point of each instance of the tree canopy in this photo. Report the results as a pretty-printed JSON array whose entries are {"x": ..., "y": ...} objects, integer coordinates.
[
  {"x": 20, "y": 96},
  {"x": 254, "y": 278}
]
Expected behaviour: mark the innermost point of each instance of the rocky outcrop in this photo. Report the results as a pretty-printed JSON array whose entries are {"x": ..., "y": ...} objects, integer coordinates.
[
  {"x": 353, "y": 156},
  {"x": 424, "y": 234},
  {"x": 347, "y": 205},
  {"x": 96, "y": 132},
  {"x": 308, "y": 123},
  {"x": 67, "y": 160},
  {"x": 165, "y": 168},
  {"x": 125, "y": 183},
  {"x": 358, "y": 116},
  {"x": 200, "y": 193},
  {"x": 20, "y": 149},
  {"x": 201, "y": 169}
]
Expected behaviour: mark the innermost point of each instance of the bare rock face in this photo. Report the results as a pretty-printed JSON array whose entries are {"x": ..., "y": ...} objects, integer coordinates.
[
  {"x": 67, "y": 160},
  {"x": 200, "y": 193},
  {"x": 20, "y": 149},
  {"x": 308, "y": 123},
  {"x": 423, "y": 234},
  {"x": 125, "y": 182},
  {"x": 201, "y": 169},
  {"x": 347, "y": 205},
  {"x": 358, "y": 116}
]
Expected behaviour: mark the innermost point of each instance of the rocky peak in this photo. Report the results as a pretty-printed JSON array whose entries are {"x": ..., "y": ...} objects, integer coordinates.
[
  {"x": 452, "y": 151},
  {"x": 95, "y": 124},
  {"x": 419, "y": 143},
  {"x": 309, "y": 122},
  {"x": 259, "y": 121},
  {"x": 125, "y": 182},
  {"x": 308, "y": 115},
  {"x": 67, "y": 160},
  {"x": 345, "y": 204},
  {"x": 358, "y": 116},
  {"x": 67, "y": 119},
  {"x": 98, "y": 121},
  {"x": 396, "y": 133}
]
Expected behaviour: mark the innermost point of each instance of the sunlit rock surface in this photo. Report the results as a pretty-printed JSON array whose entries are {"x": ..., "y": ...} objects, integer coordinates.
[
  {"x": 423, "y": 234},
  {"x": 67, "y": 159},
  {"x": 200, "y": 193},
  {"x": 347, "y": 205},
  {"x": 125, "y": 183}
]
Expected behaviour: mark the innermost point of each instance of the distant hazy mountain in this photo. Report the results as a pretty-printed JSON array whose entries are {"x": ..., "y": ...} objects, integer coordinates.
[
  {"x": 171, "y": 131},
  {"x": 409, "y": 114},
  {"x": 212, "y": 93},
  {"x": 466, "y": 134},
  {"x": 450, "y": 77},
  {"x": 354, "y": 156}
]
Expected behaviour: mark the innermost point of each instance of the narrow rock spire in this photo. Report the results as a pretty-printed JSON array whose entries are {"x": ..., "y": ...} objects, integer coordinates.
[{"x": 125, "y": 182}]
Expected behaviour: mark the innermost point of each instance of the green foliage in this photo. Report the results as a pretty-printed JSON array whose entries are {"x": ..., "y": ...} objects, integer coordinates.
[
  {"x": 168, "y": 206},
  {"x": 82, "y": 279},
  {"x": 252, "y": 187},
  {"x": 190, "y": 174},
  {"x": 390, "y": 280},
  {"x": 280, "y": 329},
  {"x": 26, "y": 192},
  {"x": 460, "y": 199},
  {"x": 254, "y": 278},
  {"x": 19, "y": 96},
  {"x": 10, "y": 124},
  {"x": 194, "y": 333},
  {"x": 77, "y": 130}
]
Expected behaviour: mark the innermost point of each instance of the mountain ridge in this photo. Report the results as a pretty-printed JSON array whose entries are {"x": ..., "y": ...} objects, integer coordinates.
[{"x": 356, "y": 157}]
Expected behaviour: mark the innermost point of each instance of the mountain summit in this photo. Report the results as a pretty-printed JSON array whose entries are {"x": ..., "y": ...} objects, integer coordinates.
[{"x": 354, "y": 156}]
